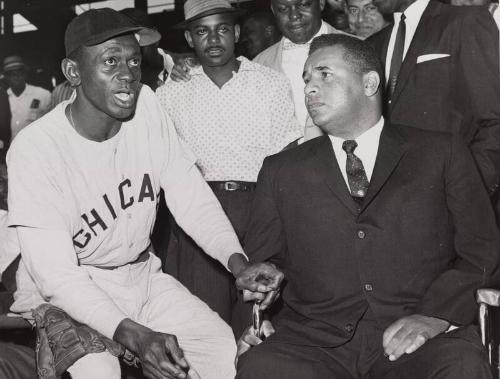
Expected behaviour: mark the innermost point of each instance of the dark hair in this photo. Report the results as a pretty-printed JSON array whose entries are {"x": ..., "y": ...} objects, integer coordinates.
[
  {"x": 359, "y": 54},
  {"x": 266, "y": 17}
]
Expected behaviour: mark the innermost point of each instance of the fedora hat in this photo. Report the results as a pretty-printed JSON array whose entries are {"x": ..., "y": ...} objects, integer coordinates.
[
  {"x": 196, "y": 9},
  {"x": 12, "y": 63}
]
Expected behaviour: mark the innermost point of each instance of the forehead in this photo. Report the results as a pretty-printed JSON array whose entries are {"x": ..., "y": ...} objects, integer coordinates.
[
  {"x": 212, "y": 20},
  {"x": 124, "y": 44},
  {"x": 292, "y": 2},
  {"x": 327, "y": 57},
  {"x": 358, "y": 3}
]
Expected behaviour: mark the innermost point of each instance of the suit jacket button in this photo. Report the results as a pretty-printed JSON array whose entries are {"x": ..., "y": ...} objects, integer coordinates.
[
  {"x": 349, "y": 328},
  {"x": 361, "y": 234}
]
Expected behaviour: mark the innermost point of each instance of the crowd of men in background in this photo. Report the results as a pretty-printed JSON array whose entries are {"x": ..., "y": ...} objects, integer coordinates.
[{"x": 368, "y": 70}]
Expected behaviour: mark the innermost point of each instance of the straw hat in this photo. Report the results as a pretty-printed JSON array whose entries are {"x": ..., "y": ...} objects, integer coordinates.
[{"x": 196, "y": 9}]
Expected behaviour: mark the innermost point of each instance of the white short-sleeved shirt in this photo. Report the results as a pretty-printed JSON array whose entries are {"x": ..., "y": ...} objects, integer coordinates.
[
  {"x": 232, "y": 129},
  {"x": 29, "y": 106}
]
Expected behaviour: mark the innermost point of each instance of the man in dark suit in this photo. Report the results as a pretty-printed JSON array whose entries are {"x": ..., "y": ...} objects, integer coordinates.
[
  {"x": 384, "y": 233},
  {"x": 442, "y": 73}
]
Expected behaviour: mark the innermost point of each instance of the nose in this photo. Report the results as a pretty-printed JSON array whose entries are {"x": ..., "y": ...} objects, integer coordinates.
[
  {"x": 125, "y": 73},
  {"x": 213, "y": 37},
  {"x": 294, "y": 14},
  {"x": 361, "y": 16},
  {"x": 310, "y": 88}
]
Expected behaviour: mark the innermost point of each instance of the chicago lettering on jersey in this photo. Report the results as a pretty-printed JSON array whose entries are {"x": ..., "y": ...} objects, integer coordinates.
[{"x": 95, "y": 222}]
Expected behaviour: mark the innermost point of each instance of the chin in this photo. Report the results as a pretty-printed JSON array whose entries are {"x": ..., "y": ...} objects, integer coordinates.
[{"x": 124, "y": 113}]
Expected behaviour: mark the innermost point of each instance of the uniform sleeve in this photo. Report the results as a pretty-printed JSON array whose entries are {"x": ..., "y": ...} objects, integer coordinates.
[
  {"x": 37, "y": 210},
  {"x": 477, "y": 243},
  {"x": 479, "y": 57},
  {"x": 191, "y": 201},
  {"x": 35, "y": 196},
  {"x": 285, "y": 127}
]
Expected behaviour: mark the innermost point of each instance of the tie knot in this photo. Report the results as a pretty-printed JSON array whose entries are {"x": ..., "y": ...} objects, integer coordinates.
[
  {"x": 403, "y": 17},
  {"x": 349, "y": 146}
]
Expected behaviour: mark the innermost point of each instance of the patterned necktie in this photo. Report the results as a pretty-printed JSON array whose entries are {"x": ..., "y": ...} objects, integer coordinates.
[
  {"x": 397, "y": 57},
  {"x": 356, "y": 175}
]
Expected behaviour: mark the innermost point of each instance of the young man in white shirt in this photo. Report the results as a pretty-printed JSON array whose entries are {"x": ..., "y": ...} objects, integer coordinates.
[{"x": 232, "y": 114}]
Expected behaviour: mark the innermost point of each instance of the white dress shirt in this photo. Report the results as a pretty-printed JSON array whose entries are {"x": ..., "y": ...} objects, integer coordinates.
[
  {"x": 366, "y": 150},
  {"x": 413, "y": 15}
]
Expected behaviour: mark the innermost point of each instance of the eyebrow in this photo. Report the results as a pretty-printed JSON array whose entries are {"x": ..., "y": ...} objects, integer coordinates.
[{"x": 225, "y": 23}]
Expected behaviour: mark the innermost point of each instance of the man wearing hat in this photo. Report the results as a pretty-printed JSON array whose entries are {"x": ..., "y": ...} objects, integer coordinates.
[
  {"x": 84, "y": 183},
  {"x": 27, "y": 102},
  {"x": 232, "y": 114},
  {"x": 299, "y": 22}
]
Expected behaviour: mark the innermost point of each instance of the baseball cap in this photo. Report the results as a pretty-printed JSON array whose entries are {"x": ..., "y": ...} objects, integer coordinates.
[
  {"x": 12, "y": 63},
  {"x": 196, "y": 9},
  {"x": 99, "y": 25}
]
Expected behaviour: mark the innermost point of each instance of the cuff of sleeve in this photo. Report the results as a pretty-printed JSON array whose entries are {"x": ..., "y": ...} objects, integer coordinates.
[
  {"x": 168, "y": 62},
  {"x": 106, "y": 320},
  {"x": 225, "y": 246}
]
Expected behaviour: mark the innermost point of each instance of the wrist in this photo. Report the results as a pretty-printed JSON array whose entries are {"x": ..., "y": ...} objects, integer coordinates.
[
  {"x": 130, "y": 334},
  {"x": 237, "y": 263}
]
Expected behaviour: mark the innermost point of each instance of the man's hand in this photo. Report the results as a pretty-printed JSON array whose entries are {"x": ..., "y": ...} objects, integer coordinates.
[
  {"x": 260, "y": 282},
  {"x": 159, "y": 353},
  {"x": 249, "y": 338},
  {"x": 409, "y": 333},
  {"x": 183, "y": 63}
]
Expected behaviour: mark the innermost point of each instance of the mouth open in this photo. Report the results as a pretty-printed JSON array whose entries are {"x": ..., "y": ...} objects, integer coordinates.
[{"x": 125, "y": 98}]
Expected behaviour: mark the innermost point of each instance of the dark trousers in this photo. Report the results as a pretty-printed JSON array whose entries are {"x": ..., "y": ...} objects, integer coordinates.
[
  {"x": 17, "y": 362},
  {"x": 204, "y": 276},
  {"x": 455, "y": 355}
]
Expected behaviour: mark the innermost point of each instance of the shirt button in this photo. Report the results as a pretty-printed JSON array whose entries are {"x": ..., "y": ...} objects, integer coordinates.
[
  {"x": 349, "y": 328},
  {"x": 368, "y": 287},
  {"x": 129, "y": 215},
  {"x": 361, "y": 234}
]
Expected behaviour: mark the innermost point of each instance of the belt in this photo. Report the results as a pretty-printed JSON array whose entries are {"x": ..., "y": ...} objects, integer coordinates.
[
  {"x": 232, "y": 185},
  {"x": 143, "y": 257}
]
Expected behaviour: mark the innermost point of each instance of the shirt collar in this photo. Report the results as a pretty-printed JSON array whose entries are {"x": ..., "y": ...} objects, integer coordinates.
[
  {"x": 288, "y": 45},
  {"x": 245, "y": 65},
  {"x": 369, "y": 136},
  {"x": 26, "y": 90},
  {"x": 413, "y": 13}
]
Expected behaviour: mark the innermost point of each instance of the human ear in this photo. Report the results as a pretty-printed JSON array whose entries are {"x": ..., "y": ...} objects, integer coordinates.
[
  {"x": 236, "y": 32},
  {"x": 371, "y": 83},
  {"x": 189, "y": 38},
  {"x": 70, "y": 70}
]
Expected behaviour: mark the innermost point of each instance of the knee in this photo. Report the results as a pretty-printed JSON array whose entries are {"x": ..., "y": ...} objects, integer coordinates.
[
  {"x": 96, "y": 366},
  {"x": 255, "y": 364},
  {"x": 464, "y": 360},
  {"x": 472, "y": 364}
]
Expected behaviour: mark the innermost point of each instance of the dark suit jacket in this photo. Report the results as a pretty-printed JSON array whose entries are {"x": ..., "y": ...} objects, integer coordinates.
[
  {"x": 424, "y": 239},
  {"x": 459, "y": 93}
]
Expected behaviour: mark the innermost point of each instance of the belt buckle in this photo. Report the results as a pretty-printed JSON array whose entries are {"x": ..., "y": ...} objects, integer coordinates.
[{"x": 230, "y": 186}]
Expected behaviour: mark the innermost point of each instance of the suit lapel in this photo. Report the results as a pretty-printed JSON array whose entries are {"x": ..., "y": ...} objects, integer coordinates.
[
  {"x": 417, "y": 45},
  {"x": 391, "y": 149},
  {"x": 325, "y": 163}
]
